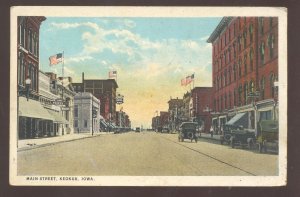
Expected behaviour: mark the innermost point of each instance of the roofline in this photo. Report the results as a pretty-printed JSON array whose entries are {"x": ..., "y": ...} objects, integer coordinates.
[{"x": 223, "y": 23}]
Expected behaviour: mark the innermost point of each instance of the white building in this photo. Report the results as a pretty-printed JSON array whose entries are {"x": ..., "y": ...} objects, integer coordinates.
[{"x": 86, "y": 113}]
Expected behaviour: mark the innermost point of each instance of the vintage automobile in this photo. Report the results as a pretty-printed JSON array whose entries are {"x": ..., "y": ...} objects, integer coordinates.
[
  {"x": 188, "y": 130},
  {"x": 242, "y": 137},
  {"x": 267, "y": 135},
  {"x": 225, "y": 137},
  {"x": 137, "y": 129}
]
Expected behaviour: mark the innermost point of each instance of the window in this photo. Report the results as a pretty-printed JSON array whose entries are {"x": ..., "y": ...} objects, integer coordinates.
[
  {"x": 229, "y": 34},
  {"x": 245, "y": 64},
  {"x": 245, "y": 92},
  {"x": 234, "y": 29},
  {"x": 85, "y": 123},
  {"x": 229, "y": 54},
  {"x": 251, "y": 86},
  {"x": 240, "y": 95},
  {"x": 240, "y": 42},
  {"x": 234, "y": 97},
  {"x": 262, "y": 88},
  {"x": 262, "y": 52},
  {"x": 229, "y": 95},
  {"x": 229, "y": 74},
  {"x": 272, "y": 84},
  {"x": 225, "y": 77},
  {"x": 251, "y": 32},
  {"x": 261, "y": 25},
  {"x": 234, "y": 50},
  {"x": 240, "y": 68},
  {"x": 225, "y": 60},
  {"x": 225, "y": 101},
  {"x": 75, "y": 111},
  {"x": 245, "y": 37},
  {"x": 265, "y": 115},
  {"x": 271, "y": 44},
  {"x": 271, "y": 22},
  {"x": 251, "y": 59},
  {"x": 234, "y": 72},
  {"x": 75, "y": 123}
]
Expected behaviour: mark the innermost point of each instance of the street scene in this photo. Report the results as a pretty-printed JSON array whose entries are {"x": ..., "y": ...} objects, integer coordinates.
[{"x": 112, "y": 96}]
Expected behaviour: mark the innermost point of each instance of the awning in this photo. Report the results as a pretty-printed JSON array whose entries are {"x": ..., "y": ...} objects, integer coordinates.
[
  {"x": 57, "y": 117},
  {"x": 33, "y": 109},
  {"x": 240, "y": 119},
  {"x": 103, "y": 123}
]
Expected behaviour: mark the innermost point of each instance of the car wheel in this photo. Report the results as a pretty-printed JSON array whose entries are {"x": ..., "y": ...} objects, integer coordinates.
[{"x": 232, "y": 143}]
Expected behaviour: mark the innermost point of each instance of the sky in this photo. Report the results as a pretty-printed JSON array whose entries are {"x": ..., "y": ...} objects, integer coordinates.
[{"x": 150, "y": 55}]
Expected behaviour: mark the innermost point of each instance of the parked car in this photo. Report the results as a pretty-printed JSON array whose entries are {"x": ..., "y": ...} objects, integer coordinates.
[
  {"x": 137, "y": 129},
  {"x": 267, "y": 135},
  {"x": 242, "y": 137},
  {"x": 187, "y": 130},
  {"x": 226, "y": 136}
]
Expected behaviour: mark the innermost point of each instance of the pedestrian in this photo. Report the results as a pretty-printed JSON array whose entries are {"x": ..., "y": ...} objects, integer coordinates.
[{"x": 211, "y": 131}]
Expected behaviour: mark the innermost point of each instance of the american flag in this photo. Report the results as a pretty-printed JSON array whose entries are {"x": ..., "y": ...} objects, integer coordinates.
[
  {"x": 112, "y": 74},
  {"x": 189, "y": 79},
  {"x": 55, "y": 59}
]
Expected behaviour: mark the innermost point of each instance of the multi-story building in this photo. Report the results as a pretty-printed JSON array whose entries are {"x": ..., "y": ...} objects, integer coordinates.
[
  {"x": 201, "y": 106},
  {"x": 164, "y": 119},
  {"x": 155, "y": 123},
  {"x": 63, "y": 89},
  {"x": 105, "y": 91},
  {"x": 175, "y": 113},
  {"x": 86, "y": 113},
  {"x": 245, "y": 66},
  {"x": 186, "y": 107},
  {"x": 30, "y": 111}
]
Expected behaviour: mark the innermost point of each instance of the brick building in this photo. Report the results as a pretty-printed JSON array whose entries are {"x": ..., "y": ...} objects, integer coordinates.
[
  {"x": 105, "y": 91},
  {"x": 201, "y": 105},
  {"x": 245, "y": 66},
  {"x": 175, "y": 113},
  {"x": 31, "y": 114}
]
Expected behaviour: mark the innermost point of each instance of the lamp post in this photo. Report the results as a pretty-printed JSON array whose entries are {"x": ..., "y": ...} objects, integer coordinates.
[
  {"x": 275, "y": 98},
  {"x": 27, "y": 85}
]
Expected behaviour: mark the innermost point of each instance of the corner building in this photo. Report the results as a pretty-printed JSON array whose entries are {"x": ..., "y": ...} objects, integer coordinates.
[{"x": 245, "y": 67}]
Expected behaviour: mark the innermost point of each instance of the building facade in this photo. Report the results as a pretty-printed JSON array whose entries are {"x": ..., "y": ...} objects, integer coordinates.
[
  {"x": 245, "y": 67},
  {"x": 105, "y": 91},
  {"x": 175, "y": 113},
  {"x": 86, "y": 113},
  {"x": 201, "y": 107},
  {"x": 30, "y": 111}
]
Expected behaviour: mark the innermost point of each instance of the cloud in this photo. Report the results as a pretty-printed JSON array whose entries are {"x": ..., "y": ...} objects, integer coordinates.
[
  {"x": 204, "y": 38},
  {"x": 78, "y": 59}
]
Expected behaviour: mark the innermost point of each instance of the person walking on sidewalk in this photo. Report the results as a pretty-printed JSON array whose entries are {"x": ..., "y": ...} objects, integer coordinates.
[{"x": 211, "y": 131}]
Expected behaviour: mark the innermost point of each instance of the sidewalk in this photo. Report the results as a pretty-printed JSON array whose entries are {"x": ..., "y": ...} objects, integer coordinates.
[
  {"x": 208, "y": 136},
  {"x": 27, "y": 144}
]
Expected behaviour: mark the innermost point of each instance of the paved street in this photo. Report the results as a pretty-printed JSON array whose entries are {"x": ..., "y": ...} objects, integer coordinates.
[{"x": 146, "y": 154}]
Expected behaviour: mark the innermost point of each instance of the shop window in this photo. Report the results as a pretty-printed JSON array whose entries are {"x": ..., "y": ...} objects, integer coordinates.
[{"x": 265, "y": 115}]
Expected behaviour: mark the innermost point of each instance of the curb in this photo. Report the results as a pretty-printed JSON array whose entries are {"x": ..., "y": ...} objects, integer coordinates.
[
  {"x": 210, "y": 138},
  {"x": 52, "y": 143}
]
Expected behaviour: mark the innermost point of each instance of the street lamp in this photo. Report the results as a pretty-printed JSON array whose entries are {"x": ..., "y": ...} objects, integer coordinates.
[{"x": 27, "y": 86}]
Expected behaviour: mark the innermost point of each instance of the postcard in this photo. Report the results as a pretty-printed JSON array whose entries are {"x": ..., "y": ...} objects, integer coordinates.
[{"x": 148, "y": 96}]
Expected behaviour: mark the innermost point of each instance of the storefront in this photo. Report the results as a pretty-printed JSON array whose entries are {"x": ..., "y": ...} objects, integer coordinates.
[{"x": 34, "y": 119}]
